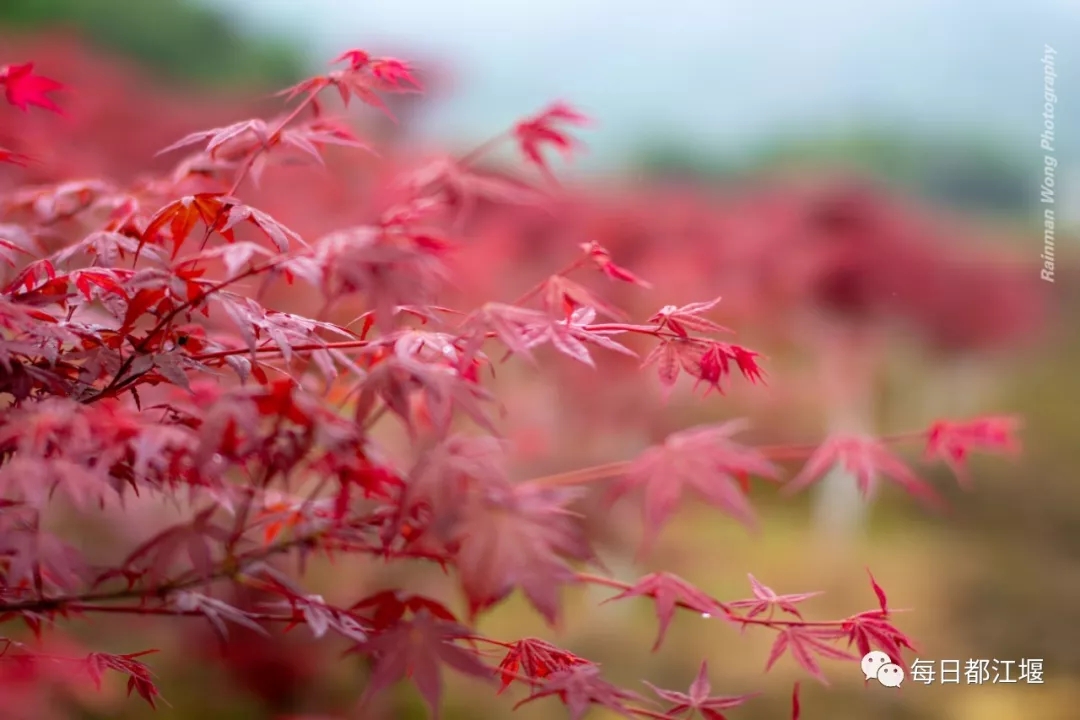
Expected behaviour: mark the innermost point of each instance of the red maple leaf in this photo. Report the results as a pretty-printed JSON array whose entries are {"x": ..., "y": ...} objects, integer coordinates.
[
  {"x": 570, "y": 336},
  {"x": 765, "y": 599},
  {"x": 871, "y": 629},
  {"x": 509, "y": 323},
  {"x": 698, "y": 698},
  {"x": 389, "y": 606},
  {"x": 360, "y": 79},
  {"x": 535, "y": 659},
  {"x": 688, "y": 317},
  {"x": 580, "y": 687},
  {"x": 709, "y": 361},
  {"x": 866, "y": 458},
  {"x": 23, "y": 88},
  {"x": 394, "y": 73},
  {"x": 563, "y": 296},
  {"x": 139, "y": 678},
  {"x": 882, "y": 599},
  {"x": 952, "y": 441},
  {"x": 14, "y": 158},
  {"x": 602, "y": 258},
  {"x": 181, "y": 216},
  {"x": 396, "y": 380},
  {"x": 356, "y": 58},
  {"x": 252, "y": 134},
  {"x": 417, "y": 649},
  {"x": 804, "y": 643},
  {"x": 518, "y": 536},
  {"x": 542, "y": 130},
  {"x": 670, "y": 591},
  {"x": 704, "y": 459}
]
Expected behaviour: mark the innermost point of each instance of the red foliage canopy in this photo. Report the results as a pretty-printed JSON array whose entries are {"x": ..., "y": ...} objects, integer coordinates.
[{"x": 140, "y": 356}]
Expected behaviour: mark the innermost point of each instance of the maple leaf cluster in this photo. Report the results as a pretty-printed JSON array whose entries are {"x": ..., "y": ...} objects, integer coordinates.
[{"x": 140, "y": 357}]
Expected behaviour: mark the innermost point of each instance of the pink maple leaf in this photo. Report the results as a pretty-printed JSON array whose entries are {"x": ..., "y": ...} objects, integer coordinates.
[
  {"x": 669, "y": 591},
  {"x": 806, "y": 645},
  {"x": 866, "y": 458},
  {"x": 542, "y": 130},
  {"x": 952, "y": 441},
  {"x": 699, "y": 698},
  {"x": 765, "y": 599}
]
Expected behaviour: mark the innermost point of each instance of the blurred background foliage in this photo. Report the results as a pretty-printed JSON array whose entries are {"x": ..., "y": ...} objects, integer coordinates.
[
  {"x": 959, "y": 172},
  {"x": 999, "y": 578},
  {"x": 178, "y": 39}
]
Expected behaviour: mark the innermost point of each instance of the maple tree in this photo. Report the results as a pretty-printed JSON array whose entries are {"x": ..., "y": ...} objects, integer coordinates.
[{"x": 139, "y": 357}]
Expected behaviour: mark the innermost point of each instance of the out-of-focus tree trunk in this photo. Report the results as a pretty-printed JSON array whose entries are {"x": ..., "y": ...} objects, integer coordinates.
[{"x": 847, "y": 385}]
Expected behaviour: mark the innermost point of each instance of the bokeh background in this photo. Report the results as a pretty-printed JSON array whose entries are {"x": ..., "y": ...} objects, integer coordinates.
[{"x": 859, "y": 181}]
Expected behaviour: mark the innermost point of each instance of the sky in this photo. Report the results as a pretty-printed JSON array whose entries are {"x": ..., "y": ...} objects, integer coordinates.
[{"x": 715, "y": 73}]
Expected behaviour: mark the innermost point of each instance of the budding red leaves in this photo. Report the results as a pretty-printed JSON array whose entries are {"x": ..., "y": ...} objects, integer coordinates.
[{"x": 706, "y": 460}]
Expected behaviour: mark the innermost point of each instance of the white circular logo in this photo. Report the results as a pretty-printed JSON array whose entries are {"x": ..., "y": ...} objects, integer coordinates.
[
  {"x": 872, "y": 662},
  {"x": 890, "y": 675}
]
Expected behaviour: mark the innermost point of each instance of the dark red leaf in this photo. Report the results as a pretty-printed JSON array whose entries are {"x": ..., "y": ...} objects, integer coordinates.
[
  {"x": 417, "y": 649},
  {"x": 535, "y": 659}
]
